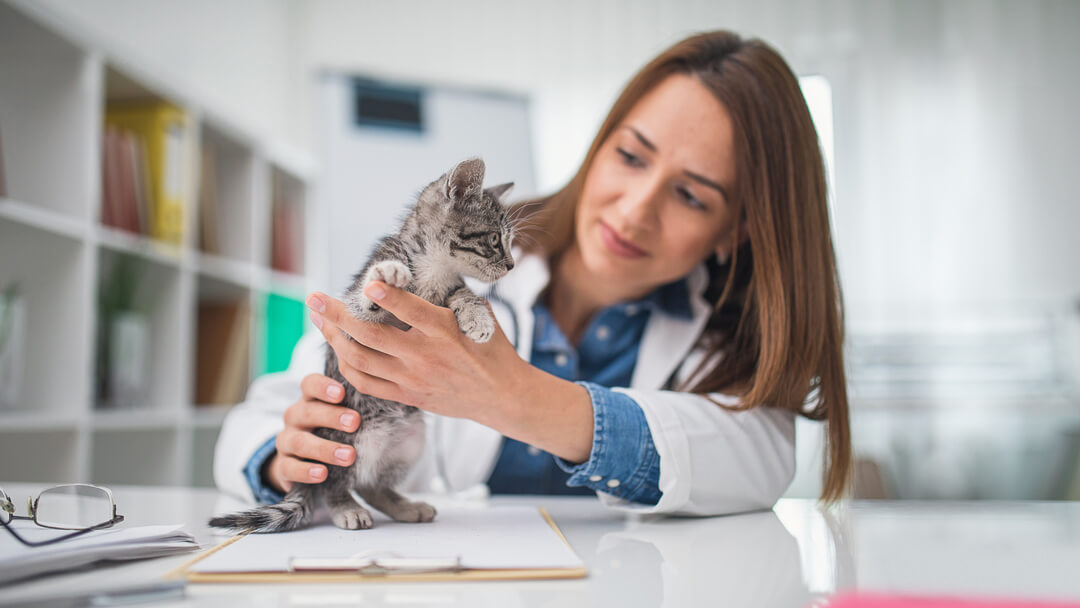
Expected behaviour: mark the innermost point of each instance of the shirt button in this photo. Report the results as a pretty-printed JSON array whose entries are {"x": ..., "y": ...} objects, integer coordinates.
[
  {"x": 613, "y": 483},
  {"x": 595, "y": 478},
  {"x": 533, "y": 451},
  {"x": 561, "y": 359},
  {"x": 603, "y": 332},
  {"x": 631, "y": 310}
]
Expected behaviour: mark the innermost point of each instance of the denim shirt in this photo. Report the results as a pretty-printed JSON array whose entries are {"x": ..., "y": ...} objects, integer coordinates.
[{"x": 623, "y": 461}]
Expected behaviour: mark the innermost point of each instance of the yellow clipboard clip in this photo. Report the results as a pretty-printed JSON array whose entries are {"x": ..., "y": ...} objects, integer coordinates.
[{"x": 375, "y": 564}]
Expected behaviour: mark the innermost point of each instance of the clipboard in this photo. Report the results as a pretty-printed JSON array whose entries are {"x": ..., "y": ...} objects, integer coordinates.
[{"x": 498, "y": 538}]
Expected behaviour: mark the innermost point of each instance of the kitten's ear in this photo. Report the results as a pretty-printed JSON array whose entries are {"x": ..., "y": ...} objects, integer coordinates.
[
  {"x": 465, "y": 180},
  {"x": 500, "y": 191}
]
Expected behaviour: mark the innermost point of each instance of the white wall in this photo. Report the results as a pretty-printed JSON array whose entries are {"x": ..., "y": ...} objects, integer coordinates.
[{"x": 244, "y": 57}]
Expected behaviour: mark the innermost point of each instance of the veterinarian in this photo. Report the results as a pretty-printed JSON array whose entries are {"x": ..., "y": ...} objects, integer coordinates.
[{"x": 673, "y": 309}]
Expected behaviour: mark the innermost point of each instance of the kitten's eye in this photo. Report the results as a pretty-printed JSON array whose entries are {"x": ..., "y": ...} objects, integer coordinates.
[{"x": 494, "y": 240}]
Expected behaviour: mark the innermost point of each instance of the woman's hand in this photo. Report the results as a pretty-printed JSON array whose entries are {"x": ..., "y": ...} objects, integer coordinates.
[
  {"x": 298, "y": 449},
  {"x": 434, "y": 367}
]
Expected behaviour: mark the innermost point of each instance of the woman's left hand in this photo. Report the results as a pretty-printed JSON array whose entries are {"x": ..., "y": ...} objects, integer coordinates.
[{"x": 432, "y": 366}]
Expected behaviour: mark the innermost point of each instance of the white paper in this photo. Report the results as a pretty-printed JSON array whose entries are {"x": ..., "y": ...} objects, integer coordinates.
[
  {"x": 495, "y": 537},
  {"x": 119, "y": 543}
]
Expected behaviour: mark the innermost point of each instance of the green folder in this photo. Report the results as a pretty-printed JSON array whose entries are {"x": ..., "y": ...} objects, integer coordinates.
[{"x": 284, "y": 325}]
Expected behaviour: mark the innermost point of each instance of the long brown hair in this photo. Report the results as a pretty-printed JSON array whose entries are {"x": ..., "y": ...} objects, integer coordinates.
[{"x": 776, "y": 333}]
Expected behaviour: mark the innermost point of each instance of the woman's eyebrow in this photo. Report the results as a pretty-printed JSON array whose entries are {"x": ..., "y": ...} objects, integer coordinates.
[
  {"x": 645, "y": 142},
  {"x": 708, "y": 182},
  {"x": 694, "y": 176}
]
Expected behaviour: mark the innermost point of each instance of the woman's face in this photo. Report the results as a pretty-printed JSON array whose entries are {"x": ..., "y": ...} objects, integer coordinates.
[{"x": 653, "y": 205}]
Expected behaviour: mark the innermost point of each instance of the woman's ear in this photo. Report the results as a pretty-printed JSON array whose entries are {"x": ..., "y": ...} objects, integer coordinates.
[{"x": 723, "y": 248}]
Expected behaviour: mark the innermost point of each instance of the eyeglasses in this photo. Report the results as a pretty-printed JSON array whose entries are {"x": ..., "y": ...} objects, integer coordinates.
[{"x": 81, "y": 507}]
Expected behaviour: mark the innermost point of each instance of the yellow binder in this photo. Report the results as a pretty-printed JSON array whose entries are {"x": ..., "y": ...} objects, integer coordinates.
[{"x": 166, "y": 133}]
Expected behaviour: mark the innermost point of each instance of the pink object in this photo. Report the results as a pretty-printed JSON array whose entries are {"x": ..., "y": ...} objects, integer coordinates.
[{"x": 882, "y": 600}]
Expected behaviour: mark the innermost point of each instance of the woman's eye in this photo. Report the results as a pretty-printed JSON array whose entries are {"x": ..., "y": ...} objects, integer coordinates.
[
  {"x": 629, "y": 158},
  {"x": 690, "y": 199}
]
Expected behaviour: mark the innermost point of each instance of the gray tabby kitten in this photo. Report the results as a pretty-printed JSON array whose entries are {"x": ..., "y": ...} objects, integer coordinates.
[{"x": 456, "y": 228}]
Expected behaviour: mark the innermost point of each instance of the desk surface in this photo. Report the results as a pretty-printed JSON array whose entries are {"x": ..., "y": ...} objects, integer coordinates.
[{"x": 790, "y": 556}]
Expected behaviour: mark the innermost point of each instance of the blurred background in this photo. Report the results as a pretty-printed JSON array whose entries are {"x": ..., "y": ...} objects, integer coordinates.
[{"x": 175, "y": 176}]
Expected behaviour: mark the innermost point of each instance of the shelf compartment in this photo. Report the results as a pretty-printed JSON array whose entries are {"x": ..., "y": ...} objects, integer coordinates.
[
  {"x": 222, "y": 357},
  {"x": 43, "y": 456},
  {"x": 226, "y": 192},
  {"x": 224, "y": 270},
  {"x": 138, "y": 328},
  {"x": 42, "y": 218},
  {"x": 151, "y": 250},
  {"x": 136, "y": 456},
  {"x": 288, "y": 223},
  {"x": 48, "y": 117},
  {"x": 50, "y": 272},
  {"x": 203, "y": 440}
]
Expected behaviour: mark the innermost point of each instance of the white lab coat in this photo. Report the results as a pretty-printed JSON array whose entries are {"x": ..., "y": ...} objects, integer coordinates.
[{"x": 712, "y": 461}]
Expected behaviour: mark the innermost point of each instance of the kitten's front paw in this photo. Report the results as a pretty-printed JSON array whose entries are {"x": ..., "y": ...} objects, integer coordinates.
[
  {"x": 352, "y": 518},
  {"x": 476, "y": 323},
  {"x": 391, "y": 272}
]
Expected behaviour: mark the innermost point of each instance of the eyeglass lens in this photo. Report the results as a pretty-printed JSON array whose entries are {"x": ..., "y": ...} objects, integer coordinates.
[{"x": 73, "y": 507}]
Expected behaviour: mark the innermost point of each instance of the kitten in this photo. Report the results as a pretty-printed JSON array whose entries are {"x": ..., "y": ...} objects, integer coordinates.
[{"x": 455, "y": 228}]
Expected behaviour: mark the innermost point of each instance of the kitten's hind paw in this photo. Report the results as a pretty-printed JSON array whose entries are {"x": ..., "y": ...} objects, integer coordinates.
[
  {"x": 391, "y": 272},
  {"x": 413, "y": 512}
]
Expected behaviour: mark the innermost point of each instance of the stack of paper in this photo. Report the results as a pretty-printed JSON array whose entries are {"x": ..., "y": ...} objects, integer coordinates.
[{"x": 19, "y": 561}]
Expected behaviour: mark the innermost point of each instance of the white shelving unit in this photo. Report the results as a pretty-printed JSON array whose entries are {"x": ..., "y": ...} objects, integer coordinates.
[{"x": 55, "y": 83}]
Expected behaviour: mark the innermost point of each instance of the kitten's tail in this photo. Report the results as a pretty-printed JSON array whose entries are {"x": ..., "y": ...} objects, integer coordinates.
[{"x": 291, "y": 513}]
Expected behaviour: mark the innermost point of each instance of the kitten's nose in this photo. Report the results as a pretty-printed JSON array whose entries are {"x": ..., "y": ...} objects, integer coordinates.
[{"x": 509, "y": 265}]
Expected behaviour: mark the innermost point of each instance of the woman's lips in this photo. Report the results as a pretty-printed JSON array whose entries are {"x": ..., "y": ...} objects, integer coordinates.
[{"x": 619, "y": 246}]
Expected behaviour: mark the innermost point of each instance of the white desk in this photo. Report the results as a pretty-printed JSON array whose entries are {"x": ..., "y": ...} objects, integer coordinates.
[{"x": 790, "y": 556}]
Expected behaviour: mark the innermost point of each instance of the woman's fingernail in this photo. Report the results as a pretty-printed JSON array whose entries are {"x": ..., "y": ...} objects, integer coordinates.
[
  {"x": 316, "y": 318},
  {"x": 334, "y": 392},
  {"x": 314, "y": 302},
  {"x": 376, "y": 292},
  {"x": 342, "y": 454},
  {"x": 316, "y": 472},
  {"x": 347, "y": 421}
]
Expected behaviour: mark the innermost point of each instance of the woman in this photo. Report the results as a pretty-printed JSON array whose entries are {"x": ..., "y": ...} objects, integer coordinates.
[{"x": 689, "y": 261}]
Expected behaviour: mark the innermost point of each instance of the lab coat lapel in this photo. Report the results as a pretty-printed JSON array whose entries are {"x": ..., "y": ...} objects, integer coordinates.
[{"x": 669, "y": 339}]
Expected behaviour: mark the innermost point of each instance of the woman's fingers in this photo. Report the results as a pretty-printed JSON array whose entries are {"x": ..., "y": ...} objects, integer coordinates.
[
  {"x": 331, "y": 317},
  {"x": 287, "y": 470},
  {"x": 412, "y": 310},
  {"x": 318, "y": 386},
  {"x": 307, "y": 415},
  {"x": 306, "y": 446}
]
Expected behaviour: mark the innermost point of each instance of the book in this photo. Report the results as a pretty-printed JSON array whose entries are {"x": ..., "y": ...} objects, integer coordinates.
[
  {"x": 17, "y": 561},
  {"x": 165, "y": 132},
  {"x": 287, "y": 230},
  {"x": 209, "y": 220},
  {"x": 223, "y": 351},
  {"x": 125, "y": 189}
]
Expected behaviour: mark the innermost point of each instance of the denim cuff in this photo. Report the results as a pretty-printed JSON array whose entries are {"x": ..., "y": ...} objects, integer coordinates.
[
  {"x": 623, "y": 462},
  {"x": 253, "y": 471}
]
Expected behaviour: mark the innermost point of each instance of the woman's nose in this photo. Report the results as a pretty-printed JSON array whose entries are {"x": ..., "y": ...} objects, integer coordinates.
[{"x": 640, "y": 202}]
